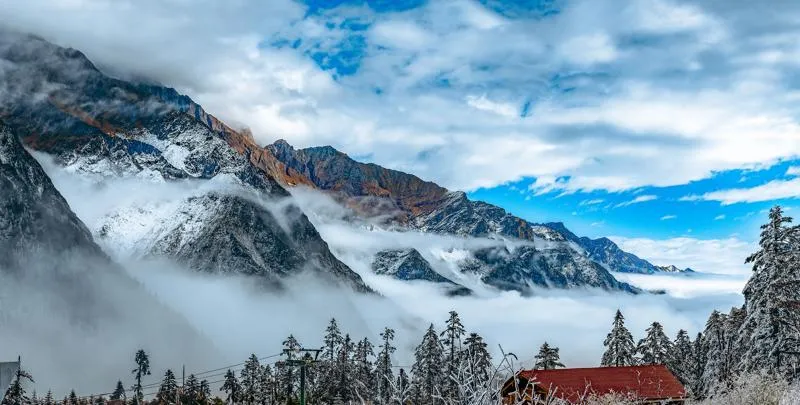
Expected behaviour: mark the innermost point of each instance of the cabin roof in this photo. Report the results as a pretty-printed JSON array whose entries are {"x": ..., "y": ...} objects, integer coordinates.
[{"x": 651, "y": 382}]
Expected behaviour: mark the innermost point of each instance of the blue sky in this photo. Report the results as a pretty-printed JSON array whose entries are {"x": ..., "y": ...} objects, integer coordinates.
[{"x": 669, "y": 125}]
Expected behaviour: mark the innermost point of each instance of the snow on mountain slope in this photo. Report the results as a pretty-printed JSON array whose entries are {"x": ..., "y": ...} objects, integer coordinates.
[{"x": 108, "y": 130}]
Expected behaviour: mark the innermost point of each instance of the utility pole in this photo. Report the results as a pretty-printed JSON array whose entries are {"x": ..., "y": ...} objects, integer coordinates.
[{"x": 303, "y": 362}]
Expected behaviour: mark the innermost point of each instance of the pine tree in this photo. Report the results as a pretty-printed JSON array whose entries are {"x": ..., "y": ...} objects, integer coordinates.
[
  {"x": 101, "y": 400},
  {"x": 231, "y": 387},
  {"x": 451, "y": 338},
  {"x": 402, "y": 390},
  {"x": 698, "y": 365},
  {"x": 16, "y": 393},
  {"x": 168, "y": 391},
  {"x": 142, "y": 369},
  {"x": 772, "y": 323},
  {"x": 344, "y": 367},
  {"x": 191, "y": 391},
  {"x": 620, "y": 349},
  {"x": 330, "y": 373},
  {"x": 426, "y": 372},
  {"x": 364, "y": 383},
  {"x": 250, "y": 378},
  {"x": 721, "y": 351},
  {"x": 287, "y": 379},
  {"x": 656, "y": 347},
  {"x": 73, "y": 398},
  {"x": 119, "y": 391},
  {"x": 48, "y": 399},
  {"x": 682, "y": 357},
  {"x": 267, "y": 386},
  {"x": 479, "y": 362},
  {"x": 204, "y": 395},
  {"x": 548, "y": 358},
  {"x": 383, "y": 367}
]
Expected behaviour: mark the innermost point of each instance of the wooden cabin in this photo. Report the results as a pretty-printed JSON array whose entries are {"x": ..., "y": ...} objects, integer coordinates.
[{"x": 652, "y": 384}]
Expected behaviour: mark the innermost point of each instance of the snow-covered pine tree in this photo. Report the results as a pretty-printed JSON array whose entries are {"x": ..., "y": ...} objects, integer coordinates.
[
  {"x": 190, "y": 393},
  {"x": 426, "y": 372},
  {"x": 772, "y": 296},
  {"x": 119, "y": 391},
  {"x": 168, "y": 391},
  {"x": 142, "y": 369},
  {"x": 698, "y": 365},
  {"x": 718, "y": 369},
  {"x": 383, "y": 367},
  {"x": 48, "y": 399},
  {"x": 330, "y": 373},
  {"x": 402, "y": 392},
  {"x": 364, "y": 378},
  {"x": 451, "y": 338},
  {"x": 547, "y": 358},
  {"x": 287, "y": 379},
  {"x": 249, "y": 378},
  {"x": 267, "y": 386},
  {"x": 16, "y": 393},
  {"x": 682, "y": 358},
  {"x": 205, "y": 392},
  {"x": 655, "y": 347},
  {"x": 231, "y": 387},
  {"x": 478, "y": 362},
  {"x": 345, "y": 368},
  {"x": 620, "y": 348}
]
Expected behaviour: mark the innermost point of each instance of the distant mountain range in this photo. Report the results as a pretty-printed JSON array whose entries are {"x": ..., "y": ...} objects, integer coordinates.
[{"x": 59, "y": 103}]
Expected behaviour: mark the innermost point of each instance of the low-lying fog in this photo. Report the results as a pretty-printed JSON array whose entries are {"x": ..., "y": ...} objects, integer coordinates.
[{"x": 239, "y": 320}]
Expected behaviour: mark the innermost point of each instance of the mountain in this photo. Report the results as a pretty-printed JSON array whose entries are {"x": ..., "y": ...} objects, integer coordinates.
[
  {"x": 62, "y": 296},
  {"x": 606, "y": 252},
  {"x": 33, "y": 215},
  {"x": 104, "y": 128},
  {"x": 409, "y": 202},
  {"x": 409, "y": 265},
  {"x": 674, "y": 269}
]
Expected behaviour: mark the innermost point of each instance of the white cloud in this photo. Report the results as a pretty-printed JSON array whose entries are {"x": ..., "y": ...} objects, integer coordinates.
[
  {"x": 719, "y": 217},
  {"x": 774, "y": 190},
  {"x": 589, "y": 49},
  {"x": 601, "y": 106},
  {"x": 722, "y": 256},
  {"x": 668, "y": 217},
  {"x": 638, "y": 200},
  {"x": 793, "y": 171},
  {"x": 591, "y": 202}
]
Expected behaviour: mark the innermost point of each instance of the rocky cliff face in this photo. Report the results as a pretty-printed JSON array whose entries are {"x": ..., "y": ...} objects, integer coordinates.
[
  {"x": 33, "y": 215},
  {"x": 61, "y": 295},
  {"x": 427, "y": 207},
  {"x": 106, "y": 128},
  {"x": 606, "y": 252}
]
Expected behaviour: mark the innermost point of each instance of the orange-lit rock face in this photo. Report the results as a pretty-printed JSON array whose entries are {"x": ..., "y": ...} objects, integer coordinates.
[{"x": 325, "y": 168}]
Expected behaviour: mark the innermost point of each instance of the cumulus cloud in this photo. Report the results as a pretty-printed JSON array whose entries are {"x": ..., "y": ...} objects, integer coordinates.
[
  {"x": 774, "y": 190},
  {"x": 582, "y": 99},
  {"x": 720, "y": 256},
  {"x": 793, "y": 171}
]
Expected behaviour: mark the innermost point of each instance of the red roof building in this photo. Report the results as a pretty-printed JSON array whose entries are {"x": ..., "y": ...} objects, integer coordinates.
[{"x": 640, "y": 384}]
